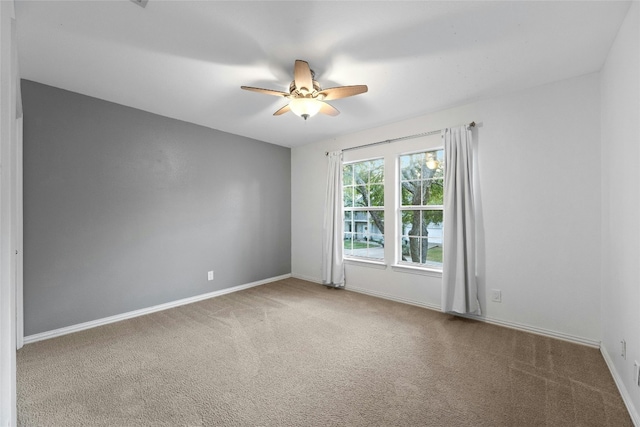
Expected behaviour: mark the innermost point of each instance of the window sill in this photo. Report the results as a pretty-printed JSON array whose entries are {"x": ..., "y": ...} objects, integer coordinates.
[
  {"x": 423, "y": 271},
  {"x": 366, "y": 263}
]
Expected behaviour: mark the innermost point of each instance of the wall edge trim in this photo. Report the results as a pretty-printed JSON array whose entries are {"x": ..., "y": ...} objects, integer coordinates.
[
  {"x": 143, "y": 311},
  {"x": 626, "y": 397}
]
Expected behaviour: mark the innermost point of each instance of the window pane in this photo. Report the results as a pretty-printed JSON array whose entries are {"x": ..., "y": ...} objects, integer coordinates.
[
  {"x": 417, "y": 164},
  {"x": 347, "y": 175},
  {"x": 348, "y": 225},
  {"x": 433, "y": 222},
  {"x": 414, "y": 250},
  {"x": 434, "y": 252},
  {"x": 359, "y": 226},
  {"x": 411, "y": 166},
  {"x": 411, "y": 223},
  {"x": 376, "y": 195},
  {"x": 439, "y": 172},
  {"x": 359, "y": 196},
  {"x": 376, "y": 246},
  {"x": 404, "y": 165},
  {"x": 347, "y": 197},
  {"x": 434, "y": 162},
  {"x": 376, "y": 222},
  {"x": 406, "y": 255},
  {"x": 411, "y": 193},
  {"x": 360, "y": 245},
  {"x": 348, "y": 244},
  {"x": 430, "y": 163},
  {"x": 377, "y": 171},
  {"x": 433, "y": 192},
  {"x": 361, "y": 173},
  {"x": 440, "y": 169}
]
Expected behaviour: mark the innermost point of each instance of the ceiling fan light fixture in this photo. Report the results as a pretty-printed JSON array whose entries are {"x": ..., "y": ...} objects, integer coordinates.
[{"x": 305, "y": 107}]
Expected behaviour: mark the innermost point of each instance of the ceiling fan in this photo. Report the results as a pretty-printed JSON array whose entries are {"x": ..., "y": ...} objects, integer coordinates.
[{"x": 306, "y": 97}]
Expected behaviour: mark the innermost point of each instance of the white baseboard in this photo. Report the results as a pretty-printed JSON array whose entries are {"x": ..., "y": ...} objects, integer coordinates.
[
  {"x": 507, "y": 324},
  {"x": 626, "y": 397},
  {"x": 307, "y": 278},
  {"x": 535, "y": 330},
  {"x": 392, "y": 297},
  {"x": 131, "y": 314}
]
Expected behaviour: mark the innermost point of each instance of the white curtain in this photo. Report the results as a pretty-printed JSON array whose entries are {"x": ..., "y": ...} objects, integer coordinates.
[
  {"x": 332, "y": 239},
  {"x": 459, "y": 287}
]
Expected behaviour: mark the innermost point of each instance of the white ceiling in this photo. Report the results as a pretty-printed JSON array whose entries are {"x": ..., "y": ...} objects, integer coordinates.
[{"x": 187, "y": 60}]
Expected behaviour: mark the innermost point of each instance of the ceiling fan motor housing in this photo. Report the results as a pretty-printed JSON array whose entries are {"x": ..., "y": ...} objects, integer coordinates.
[{"x": 295, "y": 91}]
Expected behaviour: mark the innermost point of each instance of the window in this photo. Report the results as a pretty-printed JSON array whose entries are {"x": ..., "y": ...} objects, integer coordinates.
[
  {"x": 363, "y": 196},
  {"x": 421, "y": 207}
]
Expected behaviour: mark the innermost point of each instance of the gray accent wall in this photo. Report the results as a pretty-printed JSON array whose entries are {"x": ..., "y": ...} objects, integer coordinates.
[{"x": 125, "y": 209}]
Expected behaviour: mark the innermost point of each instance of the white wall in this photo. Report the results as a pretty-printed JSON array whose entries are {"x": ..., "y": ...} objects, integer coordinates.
[
  {"x": 539, "y": 211},
  {"x": 621, "y": 207}
]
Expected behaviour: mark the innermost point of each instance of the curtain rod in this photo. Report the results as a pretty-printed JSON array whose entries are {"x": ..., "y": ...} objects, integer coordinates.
[{"x": 402, "y": 138}]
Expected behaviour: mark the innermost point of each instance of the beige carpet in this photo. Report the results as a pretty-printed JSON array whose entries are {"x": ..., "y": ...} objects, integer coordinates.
[{"x": 293, "y": 353}]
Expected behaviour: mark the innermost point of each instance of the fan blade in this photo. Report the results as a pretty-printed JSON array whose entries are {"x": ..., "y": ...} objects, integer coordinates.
[
  {"x": 265, "y": 91},
  {"x": 329, "y": 110},
  {"x": 283, "y": 110},
  {"x": 342, "y": 92},
  {"x": 302, "y": 76}
]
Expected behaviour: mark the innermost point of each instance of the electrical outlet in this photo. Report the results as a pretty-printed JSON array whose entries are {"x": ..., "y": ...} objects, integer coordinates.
[
  {"x": 496, "y": 295},
  {"x": 210, "y": 275},
  {"x": 623, "y": 349}
]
